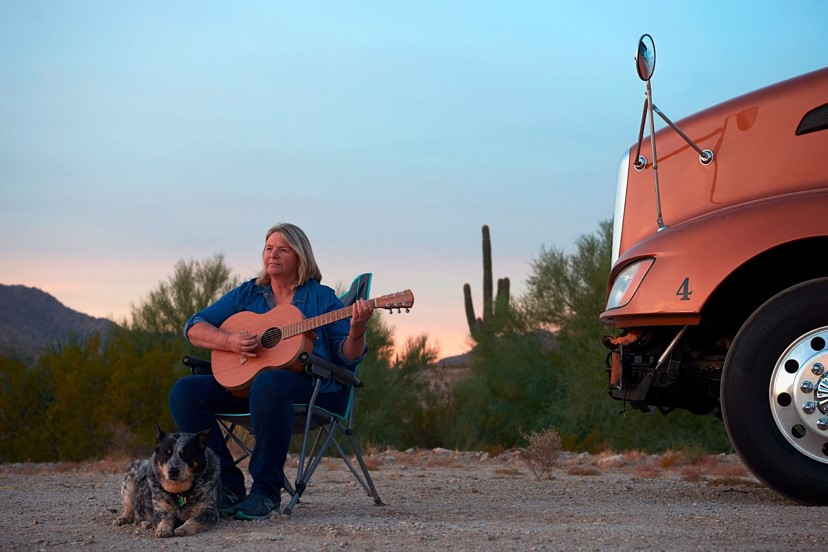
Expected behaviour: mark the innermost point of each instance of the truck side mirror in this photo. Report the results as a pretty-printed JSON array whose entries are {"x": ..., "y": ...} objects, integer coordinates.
[{"x": 645, "y": 59}]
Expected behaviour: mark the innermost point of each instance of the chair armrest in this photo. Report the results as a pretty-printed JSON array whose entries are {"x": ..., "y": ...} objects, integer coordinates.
[
  {"x": 198, "y": 366},
  {"x": 319, "y": 367}
]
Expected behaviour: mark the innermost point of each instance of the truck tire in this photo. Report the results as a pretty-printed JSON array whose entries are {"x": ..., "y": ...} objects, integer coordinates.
[{"x": 774, "y": 392}]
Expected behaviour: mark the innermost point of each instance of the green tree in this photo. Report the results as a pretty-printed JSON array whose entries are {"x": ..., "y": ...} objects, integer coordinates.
[
  {"x": 75, "y": 416},
  {"x": 193, "y": 286},
  {"x": 149, "y": 358},
  {"x": 396, "y": 407},
  {"x": 86, "y": 399},
  {"x": 567, "y": 292},
  {"x": 24, "y": 395},
  {"x": 508, "y": 387},
  {"x": 140, "y": 377}
]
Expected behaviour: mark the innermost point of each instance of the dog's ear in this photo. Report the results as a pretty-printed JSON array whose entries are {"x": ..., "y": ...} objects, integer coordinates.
[
  {"x": 158, "y": 433},
  {"x": 202, "y": 437}
]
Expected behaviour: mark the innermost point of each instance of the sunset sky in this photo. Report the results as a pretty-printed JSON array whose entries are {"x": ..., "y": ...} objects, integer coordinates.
[{"x": 137, "y": 134}]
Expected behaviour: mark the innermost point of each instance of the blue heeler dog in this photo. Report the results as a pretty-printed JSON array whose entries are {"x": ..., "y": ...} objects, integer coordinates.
[{"x": 177, "y": 489}]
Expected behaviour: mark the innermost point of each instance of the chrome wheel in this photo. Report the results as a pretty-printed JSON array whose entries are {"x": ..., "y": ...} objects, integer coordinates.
[
  {"x": 799, "y": 394},
  {"x": 774, "y": 392}
]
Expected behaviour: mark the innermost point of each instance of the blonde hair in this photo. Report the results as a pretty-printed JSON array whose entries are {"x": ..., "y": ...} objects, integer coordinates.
[{"x": 298, "y": 241}]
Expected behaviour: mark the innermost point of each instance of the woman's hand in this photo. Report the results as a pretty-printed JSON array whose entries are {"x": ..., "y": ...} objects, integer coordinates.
[
  {"x": 243, "y": 343},
  {"x": 354, "y": 345},
  {"x": 204, "y": 334},
  {"x": 359, "y": 321}
]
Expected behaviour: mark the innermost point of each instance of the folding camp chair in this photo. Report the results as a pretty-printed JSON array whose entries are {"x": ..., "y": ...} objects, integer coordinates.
[{"x": 321, "y": 429}]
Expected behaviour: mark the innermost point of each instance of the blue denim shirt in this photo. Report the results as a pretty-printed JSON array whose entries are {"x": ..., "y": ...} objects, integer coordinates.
[{"x": 311, "y": 298}]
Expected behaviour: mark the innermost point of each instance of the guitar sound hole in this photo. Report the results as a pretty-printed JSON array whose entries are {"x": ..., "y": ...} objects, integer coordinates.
[{"x": 271, "y": 338}]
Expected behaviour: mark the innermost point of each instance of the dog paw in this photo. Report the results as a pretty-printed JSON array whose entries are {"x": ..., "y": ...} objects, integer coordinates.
[
  {"x": 186, "y": 531},
  {"x": 163, "y": 532},
  {"x": 122, "y": 521},
  {"x": 164, "y": 529}
]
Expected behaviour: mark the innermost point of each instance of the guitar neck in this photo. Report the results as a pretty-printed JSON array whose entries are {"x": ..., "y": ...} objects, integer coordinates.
[{"x": 309, "y": 324}]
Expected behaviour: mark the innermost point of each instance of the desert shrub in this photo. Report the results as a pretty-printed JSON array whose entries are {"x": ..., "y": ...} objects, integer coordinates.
[
  {"x": 86, "y": 399},
  {"x": 509, "y": 385},
  {"x": 25, "y": 393},
  {"x": 397, "y": 407},
  {"x": 567, "y": 292},
  {"x": 542, "y": 451}
]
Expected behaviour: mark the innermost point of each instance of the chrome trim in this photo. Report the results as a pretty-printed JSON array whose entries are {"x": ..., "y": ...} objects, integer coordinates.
[
  {"x": 795, "y": 382},
  {"x": 620, "y": 203},
  {"x": 640, "y": 163},
  {"x": 666, "y": 354}
]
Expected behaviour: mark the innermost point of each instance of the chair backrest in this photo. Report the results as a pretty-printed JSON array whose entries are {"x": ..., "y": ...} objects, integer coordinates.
[{"x": 360, "y": 289}]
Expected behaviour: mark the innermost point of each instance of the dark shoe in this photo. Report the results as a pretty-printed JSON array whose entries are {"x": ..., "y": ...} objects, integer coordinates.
[
  {"x": 229, "y": 502},
  {"x": 255, "y": 506}
]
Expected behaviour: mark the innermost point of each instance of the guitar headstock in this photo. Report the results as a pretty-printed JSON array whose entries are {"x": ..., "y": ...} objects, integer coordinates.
[{"x": 399, "y": 300}]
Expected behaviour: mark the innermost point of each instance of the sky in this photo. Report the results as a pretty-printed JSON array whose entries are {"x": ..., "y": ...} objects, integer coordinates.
[{"x": 134, "y": 135}]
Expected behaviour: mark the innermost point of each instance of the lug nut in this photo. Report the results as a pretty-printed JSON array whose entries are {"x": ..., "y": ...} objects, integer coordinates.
[
  {"x": 807, "y": 387},
  {"x": 822, "y": 423},
  {"x": 809, "y": 407},
  {"x": 817, "y": 369}
]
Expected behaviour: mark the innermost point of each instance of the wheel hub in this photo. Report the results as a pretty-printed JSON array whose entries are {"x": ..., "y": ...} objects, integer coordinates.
[
  {"x": 822, "y": 390},
  {"x": 799, "y": 394}
]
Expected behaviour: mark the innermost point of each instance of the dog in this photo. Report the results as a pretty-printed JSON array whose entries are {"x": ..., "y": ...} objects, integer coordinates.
[{"x": 177, "y": 489}]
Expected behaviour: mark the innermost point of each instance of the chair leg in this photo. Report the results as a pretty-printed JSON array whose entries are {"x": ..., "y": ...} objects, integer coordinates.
[
  {"x": 314, "y": 456},
  {"x": 286, "y": 484},
  {"x": 368, "y": 482},
  {"x": 229, "y": 434}
]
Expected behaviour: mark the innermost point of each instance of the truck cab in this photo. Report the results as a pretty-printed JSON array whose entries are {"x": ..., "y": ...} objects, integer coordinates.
[{"x": 718, "y": 292}]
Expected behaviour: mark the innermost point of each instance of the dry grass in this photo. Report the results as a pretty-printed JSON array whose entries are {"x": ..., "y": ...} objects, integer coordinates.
[
  {"x": 583, "y": 470},
  {"x": 730, "y": 470},
  {"x": 707, "y": 462},
  {"x": 691, "y": 474},
  {"x": 648, "y": 471},
  {"x": 670, "y": 458},
  {"x": 508, "y": 472},
  {"x": 635, "y": 456},
  {"x": 542, "y": 452},
  {"x": 734, "y": 482}
]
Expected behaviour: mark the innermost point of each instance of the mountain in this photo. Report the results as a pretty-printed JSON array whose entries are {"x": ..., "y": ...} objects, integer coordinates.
[{"x": 32, "y": 321}]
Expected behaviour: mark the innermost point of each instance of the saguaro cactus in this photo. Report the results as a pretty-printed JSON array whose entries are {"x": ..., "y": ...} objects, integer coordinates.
[{"x": 495, "y": 311}]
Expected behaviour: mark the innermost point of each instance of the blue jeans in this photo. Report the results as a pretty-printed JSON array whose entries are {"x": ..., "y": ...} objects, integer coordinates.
[{"x": 194, "y": 400}]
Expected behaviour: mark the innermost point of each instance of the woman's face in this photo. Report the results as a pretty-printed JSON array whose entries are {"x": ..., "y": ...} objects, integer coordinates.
[{"x": 280, "y": 260}]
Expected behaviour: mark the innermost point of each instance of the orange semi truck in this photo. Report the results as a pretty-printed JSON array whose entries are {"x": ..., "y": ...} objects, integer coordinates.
[{"x": 718, "y": 292}]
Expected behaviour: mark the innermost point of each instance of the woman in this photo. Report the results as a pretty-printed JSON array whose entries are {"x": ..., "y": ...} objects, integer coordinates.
[{"x": 289, "y": 275}]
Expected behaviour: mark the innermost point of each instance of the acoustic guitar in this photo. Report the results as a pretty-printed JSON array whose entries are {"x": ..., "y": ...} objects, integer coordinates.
[{"x": 283, "y": 334}]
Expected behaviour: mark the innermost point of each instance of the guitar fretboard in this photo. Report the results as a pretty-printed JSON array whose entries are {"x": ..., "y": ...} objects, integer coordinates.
[
  {"x": 309, "y": 324},
  {"x": 392, "y": 301}
]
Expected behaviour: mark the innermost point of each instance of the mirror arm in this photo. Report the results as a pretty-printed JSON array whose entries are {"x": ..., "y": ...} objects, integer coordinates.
[
  {"x": 705, "y": 156},
  {"x": 650, "y": 105},
  {"x": 640, "y": 161}
]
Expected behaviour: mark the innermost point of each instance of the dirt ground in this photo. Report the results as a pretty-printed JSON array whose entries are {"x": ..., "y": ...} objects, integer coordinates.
[{"x": 442, "y": 499}]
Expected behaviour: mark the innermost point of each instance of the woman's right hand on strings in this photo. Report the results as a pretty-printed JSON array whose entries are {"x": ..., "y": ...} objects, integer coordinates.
[{"x": 243, "y": 343}]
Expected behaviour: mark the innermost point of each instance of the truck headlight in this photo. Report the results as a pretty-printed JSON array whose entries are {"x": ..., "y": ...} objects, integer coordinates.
[{"x": 627, "y": 282}]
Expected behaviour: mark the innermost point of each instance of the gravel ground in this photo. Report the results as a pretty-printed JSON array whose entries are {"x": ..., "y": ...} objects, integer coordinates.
[{"x": 442, "y": 499}]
